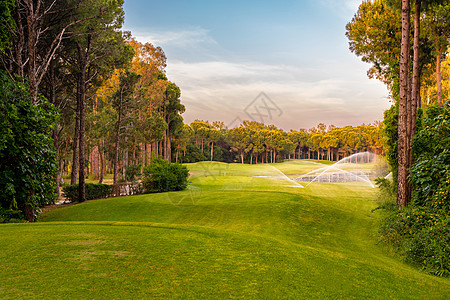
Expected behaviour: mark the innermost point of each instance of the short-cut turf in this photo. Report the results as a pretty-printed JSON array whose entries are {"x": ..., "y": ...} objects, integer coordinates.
[{"x": 230, "y": 235}]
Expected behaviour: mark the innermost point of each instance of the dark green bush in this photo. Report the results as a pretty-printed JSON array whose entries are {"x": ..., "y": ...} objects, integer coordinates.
[
  {"x": 27, "y": 153},
  {"x": 10, "y": 216},
  {"x": 133, "y": 173},
  {"x": 93, "y": 191},
  {"x": 422, "y": 235},
  {"x": 162, "y": 176},
  {"x": 421, "y": 231}
]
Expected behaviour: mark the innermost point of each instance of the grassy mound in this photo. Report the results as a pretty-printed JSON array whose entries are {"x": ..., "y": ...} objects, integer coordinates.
[{"x": 238, "y": 231}]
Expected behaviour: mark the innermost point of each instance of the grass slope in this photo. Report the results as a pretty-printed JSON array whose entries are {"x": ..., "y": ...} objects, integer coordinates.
[{"x": 230, "y": 235}]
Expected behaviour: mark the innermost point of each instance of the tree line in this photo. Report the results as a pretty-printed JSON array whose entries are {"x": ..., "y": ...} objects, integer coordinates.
[{"x": 253, "y": 142}]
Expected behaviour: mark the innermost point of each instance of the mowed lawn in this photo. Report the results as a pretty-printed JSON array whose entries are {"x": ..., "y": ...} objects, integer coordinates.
[{"x": 239, "y": 231}]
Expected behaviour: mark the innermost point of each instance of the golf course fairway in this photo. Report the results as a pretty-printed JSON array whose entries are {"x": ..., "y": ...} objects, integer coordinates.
[{"x": 238, "y": 231}]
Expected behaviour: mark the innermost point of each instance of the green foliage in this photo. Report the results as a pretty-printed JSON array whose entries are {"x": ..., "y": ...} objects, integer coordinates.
[
  {"x": 27, "y": 154},
  {"x": 193, "y": 154},
  {"x": 430, "y": 175},
  {"x": 421, "y": 231},
  {"x": 6, "y": 22},
  {"x": 132, "y": 173},
  {"x": 162, "y": 176},
  {"x": 386, "y": 194},
  {"x": 422, "y": 235},
  {"x": 10, "y": 216},
  {"x": 374, "y": 34},
  {"x": 390, "y": 130},
  {"x": 93, "y": 191}
]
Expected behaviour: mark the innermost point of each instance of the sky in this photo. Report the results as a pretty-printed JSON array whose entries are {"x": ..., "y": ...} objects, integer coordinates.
[{"x": 281, "y": 62}]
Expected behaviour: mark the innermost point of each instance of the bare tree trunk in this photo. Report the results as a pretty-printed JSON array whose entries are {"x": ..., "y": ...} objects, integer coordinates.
[
  {"x": 169, "y": 149},
  {"x": 416, "y": 70},
  {"x": 212, "y": 150},
  {"x": 116, "y": 146},
  {"x": 100, "y": 150},
  {"x": 76, "y": 148},
  {"x": 149, "y": 153},
  {"x": 31, "y": 13},
  {"x": 58, "y": 171},
  {"x": 405, "y": 97},
  {"x": 125, "y": 162},
  {"x": 29, "y": 211},
  {"x": 143, "y": 152},
  {"x": 438, "y": 76},
  {"x": 82, "y": 158}
]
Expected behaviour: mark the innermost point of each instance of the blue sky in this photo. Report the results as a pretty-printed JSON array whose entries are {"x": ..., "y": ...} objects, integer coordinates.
[{"x": 223, "y": 54}]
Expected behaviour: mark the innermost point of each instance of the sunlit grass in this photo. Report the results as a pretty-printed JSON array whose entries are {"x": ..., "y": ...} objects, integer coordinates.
[{"x": 231, "y": 234}]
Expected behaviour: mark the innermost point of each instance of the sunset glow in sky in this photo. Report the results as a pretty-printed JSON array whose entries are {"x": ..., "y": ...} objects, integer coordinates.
[{"x": 223, "y": 54}]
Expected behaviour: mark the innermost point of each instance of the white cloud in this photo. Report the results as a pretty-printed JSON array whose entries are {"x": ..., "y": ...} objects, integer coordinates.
[
  {"x": 184, "y": 38},
  {"x": 220, "y": 90}
]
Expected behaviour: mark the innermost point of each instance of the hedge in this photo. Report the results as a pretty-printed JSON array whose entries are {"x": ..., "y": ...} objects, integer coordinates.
[{"x": 93, "y": 191}]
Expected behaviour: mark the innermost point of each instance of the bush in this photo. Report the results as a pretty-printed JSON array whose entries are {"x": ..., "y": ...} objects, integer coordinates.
[
  {"x": 93, "y": 191},
  {"x": 11, "y": 216},
  {"x": 422, "y": 231},
  {"x": 422, "y": 235},
  {"x": 162, "y": 176},
  {"x": 133, "y": 173},
  {"x": 27, "y": 153}
]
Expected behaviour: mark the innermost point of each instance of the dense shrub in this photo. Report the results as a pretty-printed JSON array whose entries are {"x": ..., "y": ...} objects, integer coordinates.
[
  {"x": 422, "y": 235},
  {"x": 93, "y": 191},
  {"x": 133, "y": 173},
  {"x": 27, "y": 153},
  {"x": 421, "y": 231},
  {"x": 193, "y": 154},
  {"x": 162, "y": 176},
  {"x": 10, "y": 216}
]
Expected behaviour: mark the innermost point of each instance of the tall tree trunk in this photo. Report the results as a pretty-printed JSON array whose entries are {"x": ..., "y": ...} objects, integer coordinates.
[
  {"x": 116, "y": 145},
  {"x": 149, "y": 153},
  {"x": 82, "y": 158},
  {"x": 403, "y": 193},
  {"x": 416, "y": 70},
  {"x": 125, "y": 162},
  {"x": 212, "y": 150},
  {"x": 32, "y": 14},
  {"x": 58, "y": 171},
  {"x": 166, "y": 117},
  {"x": 169, "y": 149},
  {"x": 76, "y": 144},
  {"x": 415, "y": 93},
  {"x": 438, "y": 76},
  {"x": 143, "y": 152},
  {"x": 100, "y": 150}
]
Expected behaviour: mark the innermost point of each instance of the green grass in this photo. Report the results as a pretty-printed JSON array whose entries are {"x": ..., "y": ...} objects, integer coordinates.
[{"x": 231, "y": 235}]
